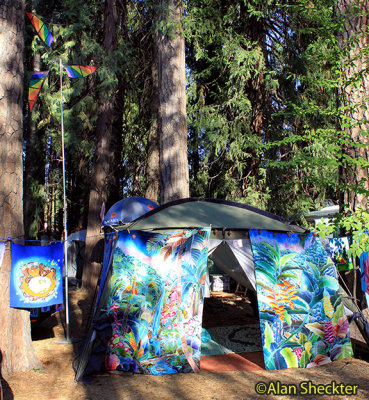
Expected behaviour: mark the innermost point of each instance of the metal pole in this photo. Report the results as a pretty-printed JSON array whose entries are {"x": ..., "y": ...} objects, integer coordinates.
[{"x": 65, "y": 211}]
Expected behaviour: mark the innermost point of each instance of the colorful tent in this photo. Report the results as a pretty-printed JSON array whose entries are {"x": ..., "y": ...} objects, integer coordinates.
[{"x": 139, "y": 324}]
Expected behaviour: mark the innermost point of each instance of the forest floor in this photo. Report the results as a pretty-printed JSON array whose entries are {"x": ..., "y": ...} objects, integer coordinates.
[{"x": 55, "y": 381}]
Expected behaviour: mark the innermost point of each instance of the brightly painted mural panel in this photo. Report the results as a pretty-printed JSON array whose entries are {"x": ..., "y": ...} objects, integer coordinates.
[
  {"x": 156, "y": 300},
  {"x": 302, "y": 317}
]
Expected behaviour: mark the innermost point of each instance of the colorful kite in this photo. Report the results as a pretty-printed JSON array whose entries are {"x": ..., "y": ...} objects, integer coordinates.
[
  {"x": 37, "y": 81},
  {"x": 38, "y": 78},
  {"x": 41, "y": 29}
]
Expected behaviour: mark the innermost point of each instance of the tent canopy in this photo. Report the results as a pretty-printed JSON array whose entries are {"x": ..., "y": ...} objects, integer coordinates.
[
  {"x": 219, "y": 214},
  {"x": 127, "y": 210}
]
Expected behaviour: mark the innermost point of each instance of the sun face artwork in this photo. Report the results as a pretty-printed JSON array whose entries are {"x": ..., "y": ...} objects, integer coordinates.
[
  {"x": 36, "y": 276},
  {"x": 38, "y": 281}
]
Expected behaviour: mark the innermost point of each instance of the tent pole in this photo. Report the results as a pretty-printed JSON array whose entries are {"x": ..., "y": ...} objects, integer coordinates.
[{"x": 65, "y": 211}]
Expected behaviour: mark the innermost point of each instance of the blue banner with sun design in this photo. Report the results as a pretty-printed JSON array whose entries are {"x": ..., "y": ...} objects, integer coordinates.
[
  {"x": 156, "y": 301},
  {"x": 36, "y": 275},
  {"x": 302, "y": 317}
]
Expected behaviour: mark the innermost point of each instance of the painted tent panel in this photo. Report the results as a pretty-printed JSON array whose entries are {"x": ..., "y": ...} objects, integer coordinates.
[
  {"x": 156, "y": 300},
  {"x": 302, "y": 317},
  {"x": 109, "y": 246}
]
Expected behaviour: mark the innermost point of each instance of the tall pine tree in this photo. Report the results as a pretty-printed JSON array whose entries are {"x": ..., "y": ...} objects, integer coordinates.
[{"x": 16, "y": 349}]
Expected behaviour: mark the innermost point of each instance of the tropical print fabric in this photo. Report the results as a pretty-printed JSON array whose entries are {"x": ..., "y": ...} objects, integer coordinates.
[
  {"x": 36, "y": 275},
  {"x": 302, "y": 317},
  {"x": 156, "y": 301},
  {"x": 109, "y": 245}
]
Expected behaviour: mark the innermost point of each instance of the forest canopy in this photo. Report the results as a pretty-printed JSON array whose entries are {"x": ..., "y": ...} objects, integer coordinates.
[{"x": 275, "y": 94}]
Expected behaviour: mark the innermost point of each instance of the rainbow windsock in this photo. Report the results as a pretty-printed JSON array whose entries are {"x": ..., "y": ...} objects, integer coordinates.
[
  {"x": 41, "y": 29},
  {"x": 37, "y": 81},
  {"x": 79, "y": 71}
]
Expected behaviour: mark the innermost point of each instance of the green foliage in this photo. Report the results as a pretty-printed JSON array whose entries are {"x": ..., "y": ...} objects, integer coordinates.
[
  {"x": 266, "y": 123},
  {"x": 224, "y": 59},
  {"x": 355, "y": 225},
  {"x": 286, "y": 79},
  {"x": 78, "y": 31}
]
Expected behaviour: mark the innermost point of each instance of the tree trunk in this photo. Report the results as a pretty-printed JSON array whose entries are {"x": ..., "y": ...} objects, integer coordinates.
[
  {"x": 353, "y": 173},
  {"x": 16, "y": 348},
  {"x": 152, "y": 163},
  {"x": 255, "y": 87},
  {"x": 172, "y": 104},
  {"x": 354, "y": 95},
  {"x": 33, "y": 174},
  {"x": 104, "y": 154}
]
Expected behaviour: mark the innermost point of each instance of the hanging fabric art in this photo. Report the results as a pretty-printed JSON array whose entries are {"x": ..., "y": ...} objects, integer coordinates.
[
  {"x": 364, "y": 267},
  {"x": 156, "y": 301},
  {"x": 36, "y": 275},
  {"x": 338, "y": 248},
  {"x": 302, "y": 317}
]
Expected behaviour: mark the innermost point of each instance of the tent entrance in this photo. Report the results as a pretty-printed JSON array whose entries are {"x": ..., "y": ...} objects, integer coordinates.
[
  {"x": 234, "y": 257},
  {"x": 231, "y": 336}
]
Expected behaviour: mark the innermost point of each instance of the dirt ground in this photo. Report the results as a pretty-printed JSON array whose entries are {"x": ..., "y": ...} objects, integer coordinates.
[{"x": 56, "y": 379}]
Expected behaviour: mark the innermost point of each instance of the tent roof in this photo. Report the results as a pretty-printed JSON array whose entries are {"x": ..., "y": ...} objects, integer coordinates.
[
  {"x": 219, "y": 214},
  {"x": 127, "y": 210}
]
